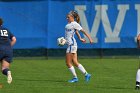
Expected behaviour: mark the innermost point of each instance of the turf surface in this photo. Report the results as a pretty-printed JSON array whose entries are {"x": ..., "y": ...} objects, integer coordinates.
[{"x": 50, "y": 76}]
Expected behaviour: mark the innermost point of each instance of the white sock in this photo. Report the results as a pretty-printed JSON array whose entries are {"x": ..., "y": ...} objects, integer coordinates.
[
  {"x": 72, "y": 70},
  {"x": 82, "y": 69},
  {"x": 138, "y": 76}
]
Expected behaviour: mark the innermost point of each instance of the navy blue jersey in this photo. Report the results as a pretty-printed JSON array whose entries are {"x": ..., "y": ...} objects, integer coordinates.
[
  {"x": 5, "y": 37},
  {"x": 6, "y": 51}
]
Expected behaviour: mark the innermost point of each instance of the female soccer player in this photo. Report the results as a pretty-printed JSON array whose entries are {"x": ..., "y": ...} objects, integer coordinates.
[
  {"x": 7, "y": 40},
  {"x": 71, "y": 53},
  {"x": 138, "y": 71}
]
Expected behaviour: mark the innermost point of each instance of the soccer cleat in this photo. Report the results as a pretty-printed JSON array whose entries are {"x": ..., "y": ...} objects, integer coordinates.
[
  {"x": 87, "y": 77},
  {"x": 73, "y": 80},
  {"x": 9, "y": 77}
]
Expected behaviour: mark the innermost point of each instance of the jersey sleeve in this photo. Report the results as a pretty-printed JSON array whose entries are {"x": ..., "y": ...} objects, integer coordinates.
[
  {"x": 77, "y": 26},
  {"x": 10, "y": 34},
  {"x": 138, "y": 34}
]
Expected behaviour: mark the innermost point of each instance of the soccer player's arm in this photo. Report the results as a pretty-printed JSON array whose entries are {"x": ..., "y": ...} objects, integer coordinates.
[
  {"x": 13, "y": 39},
  {"x": 77, "y": 33},
  {"x": 138, "y": 41},
  {"x": 79, "y": 36},
  {"x": 79, "y": 28},
  {"x": 86, "y": 34}
]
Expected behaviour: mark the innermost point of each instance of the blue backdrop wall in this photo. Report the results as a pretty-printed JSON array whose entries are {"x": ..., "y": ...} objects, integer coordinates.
[{"x": 38, "y": 23}]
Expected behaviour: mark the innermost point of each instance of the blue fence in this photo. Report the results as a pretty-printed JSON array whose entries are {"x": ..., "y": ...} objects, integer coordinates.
[{"x": 37, "y": 24}]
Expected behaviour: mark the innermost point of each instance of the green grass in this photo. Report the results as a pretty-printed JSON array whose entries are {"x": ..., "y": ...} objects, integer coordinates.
[{"x": 50, "y": 76}]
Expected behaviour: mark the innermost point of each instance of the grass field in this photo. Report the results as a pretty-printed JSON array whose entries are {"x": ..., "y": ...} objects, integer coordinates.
[{"x": 50, "y": 76}]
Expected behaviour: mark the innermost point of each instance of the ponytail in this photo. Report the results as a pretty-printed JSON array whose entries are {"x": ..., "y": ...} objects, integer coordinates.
[
  {"x": 75, "y": 15},
  {"x": 77, "y": 19}
]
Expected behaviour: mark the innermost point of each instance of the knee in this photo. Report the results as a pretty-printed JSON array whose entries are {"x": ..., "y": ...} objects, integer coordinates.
[
  {"x": 68, "y": 65},
  {"x": 76, "y": 63},
  {"x": 4, "y": 67}
]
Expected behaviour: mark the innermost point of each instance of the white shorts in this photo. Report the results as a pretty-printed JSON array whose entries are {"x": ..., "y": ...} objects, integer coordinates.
[{"x": 71, "y": 49}]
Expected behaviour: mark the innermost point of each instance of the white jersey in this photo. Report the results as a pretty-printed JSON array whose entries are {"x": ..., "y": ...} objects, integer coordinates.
[
  {"x": 70, "y": 31},
  {"x": 138, "y": 34}
]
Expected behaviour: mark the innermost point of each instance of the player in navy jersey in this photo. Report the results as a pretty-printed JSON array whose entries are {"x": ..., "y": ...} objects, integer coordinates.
[{"x": 7, "y": 40}]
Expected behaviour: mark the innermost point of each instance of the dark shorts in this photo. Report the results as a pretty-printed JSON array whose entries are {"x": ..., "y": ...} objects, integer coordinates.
[{"x": 6, "y": 55}]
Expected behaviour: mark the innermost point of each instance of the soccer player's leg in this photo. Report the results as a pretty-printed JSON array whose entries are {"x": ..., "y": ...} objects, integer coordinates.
[
  {"x": 80, "y": 67},
  {"x": 6, "y": 71},
  {"x": 138, "y": 79},
  {"x": 71, "y": 68},
  {"x": 69, "y": 56}
]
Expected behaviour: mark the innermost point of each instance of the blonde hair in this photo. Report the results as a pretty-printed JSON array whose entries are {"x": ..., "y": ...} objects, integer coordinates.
[{"x": 75, "y": 15}]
